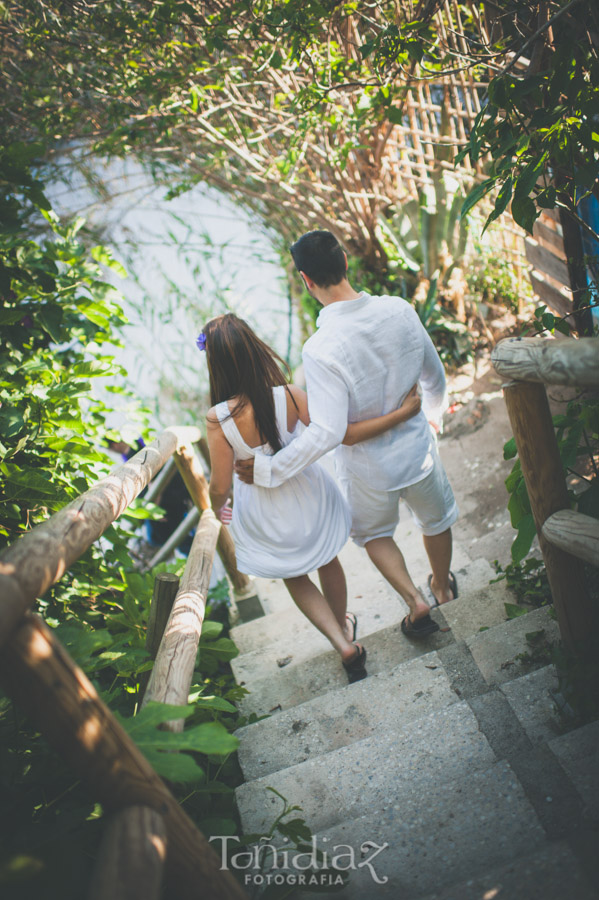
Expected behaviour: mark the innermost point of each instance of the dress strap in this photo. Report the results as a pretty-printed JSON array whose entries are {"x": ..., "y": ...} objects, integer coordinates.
[
  {"x": 231, "y": 431},
  {"x": 280, "y": 401}
]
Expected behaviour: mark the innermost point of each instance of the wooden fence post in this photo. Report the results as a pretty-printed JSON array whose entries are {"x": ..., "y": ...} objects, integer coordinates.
[
  {"x": 247, "y": 601},
  {"x": 532, "y": 426},
  {"x": 172, "y": 673},
  {"x": 131, "y": 857},
  {"x": 37, "y": 672},
  {"x": 166, "y": 586}
]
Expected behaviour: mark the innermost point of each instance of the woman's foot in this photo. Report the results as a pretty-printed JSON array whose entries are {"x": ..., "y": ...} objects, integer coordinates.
[
  {"x": 351, "y": 627},
  {"x": 355, "y": 665}
]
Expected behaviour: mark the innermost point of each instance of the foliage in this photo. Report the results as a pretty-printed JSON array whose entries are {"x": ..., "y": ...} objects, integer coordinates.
[
  {"x": 492, "y": 281},
  {"x": 539, "y": 125},
  {"x": 273, "y": 854},
  {"x": 300, "y": 109},
  {"x": 57, "y": 316},
  {"x": 527, "y": 578}
]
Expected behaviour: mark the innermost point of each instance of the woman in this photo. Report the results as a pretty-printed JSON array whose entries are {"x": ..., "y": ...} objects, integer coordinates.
[{"x": 287, "y": 531}]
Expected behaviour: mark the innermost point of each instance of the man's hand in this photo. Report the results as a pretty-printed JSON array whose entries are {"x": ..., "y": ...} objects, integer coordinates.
[{"x": 244, "y": 469}]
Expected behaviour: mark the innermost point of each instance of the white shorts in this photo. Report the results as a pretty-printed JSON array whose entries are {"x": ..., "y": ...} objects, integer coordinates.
[{"x": 375, "y": 513}]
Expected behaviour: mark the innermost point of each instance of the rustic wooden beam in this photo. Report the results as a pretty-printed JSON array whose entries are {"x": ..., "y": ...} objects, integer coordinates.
[
  {"x": 186, "y": 524},
  {"x": 532, "y": 426},
  {"x": 575, "y": 533},
  {"x": 195, "y": 481},
  {"x": 38, "y": 559},
  {"x": 166, "y": 585},
  {"x": 166, "y": 475},
  {"x": 546, "y": 261},
  {"x": 37, "y": 672},
  {"x": 172, "y": 673},
  {"x": 131, "y": 858},
  {"x": 568, "y": 361}
]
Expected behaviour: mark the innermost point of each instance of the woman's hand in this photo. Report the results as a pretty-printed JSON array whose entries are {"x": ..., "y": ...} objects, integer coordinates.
[
  {"x": 225, "y": 513},
  {"x": 412, "y": 403}
]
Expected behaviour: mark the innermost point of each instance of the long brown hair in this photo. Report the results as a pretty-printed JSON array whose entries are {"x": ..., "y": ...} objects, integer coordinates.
[{"x": 241, "y": 365}]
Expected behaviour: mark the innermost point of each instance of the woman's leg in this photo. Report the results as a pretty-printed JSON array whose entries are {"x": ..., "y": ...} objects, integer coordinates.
[
  {"x": 310, "y": 601},
  {"x": 334, "y": 588}
]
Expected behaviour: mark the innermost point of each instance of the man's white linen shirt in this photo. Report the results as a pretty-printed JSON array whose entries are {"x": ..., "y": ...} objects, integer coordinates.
[{"x": 361, "y": 362}]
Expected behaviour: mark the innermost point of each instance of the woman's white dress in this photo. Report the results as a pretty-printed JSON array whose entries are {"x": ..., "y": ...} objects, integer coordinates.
[{"x": 287, "y": 530}]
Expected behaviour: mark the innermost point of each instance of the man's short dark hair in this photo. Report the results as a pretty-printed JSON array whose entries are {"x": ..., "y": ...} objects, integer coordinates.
[{"x": 320, "y": 255}]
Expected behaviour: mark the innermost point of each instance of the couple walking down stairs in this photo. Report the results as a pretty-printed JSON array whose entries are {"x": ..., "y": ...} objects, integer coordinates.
[{"x": 451, "y": 752}]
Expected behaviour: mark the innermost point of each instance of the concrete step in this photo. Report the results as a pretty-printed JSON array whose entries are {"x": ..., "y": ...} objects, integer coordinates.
[
  {"x": 503, "y": 653},
  {"x": 375, "y": 603},
  {"x": 578, "y": 754},
  {"x": 552, "y": 873},
  {"x": 531, "y": 698},
  {"x": 391, "y": 768},
  {"x": 438, "y": 833},
  {"x": 327, "y": 722},
  {"x": 298, "y": 680}
]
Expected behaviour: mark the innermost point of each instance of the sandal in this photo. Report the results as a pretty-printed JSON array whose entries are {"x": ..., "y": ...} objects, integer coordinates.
[
  {"x": 353, "y": 621},
  {"x": 453, "y": 584},
  {"x": 356, "y": 667},
  {"x": 419, "y": 628}
]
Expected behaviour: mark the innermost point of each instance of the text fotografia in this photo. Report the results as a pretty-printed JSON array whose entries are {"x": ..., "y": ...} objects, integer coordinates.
[{"x": 313, "y": 867}]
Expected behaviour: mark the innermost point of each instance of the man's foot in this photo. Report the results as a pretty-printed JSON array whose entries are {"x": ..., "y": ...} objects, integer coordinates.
[
  {"x": 420, "y": 628},
  {"x": 445, "y": 596}
]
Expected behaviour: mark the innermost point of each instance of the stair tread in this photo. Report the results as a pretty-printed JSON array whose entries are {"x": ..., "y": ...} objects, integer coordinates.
[
  {"x": 391, "y": 766},
  {"x": 353, "y": 712}
]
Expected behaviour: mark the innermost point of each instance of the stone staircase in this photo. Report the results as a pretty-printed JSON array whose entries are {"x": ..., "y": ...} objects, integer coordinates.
[{"x": 451, "y": 752}]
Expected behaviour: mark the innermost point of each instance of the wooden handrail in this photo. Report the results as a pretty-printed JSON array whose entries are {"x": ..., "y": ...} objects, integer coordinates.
[
  {"x": 567, "y": 361},
  {"x": 131, "y": 858},
  {"x": 175, "y": 661},
  {"x": 575, "y": 533},
  {"x": 531, "y": 362},
  {"x": 37, "y": 560},
  {"x": 40, "y": 675}
]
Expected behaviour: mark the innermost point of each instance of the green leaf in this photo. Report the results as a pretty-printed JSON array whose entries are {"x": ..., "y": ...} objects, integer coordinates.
[
  {"x": 475, "y": 195},
  {"x": 503, "y": 198},
  {"x": 513, "y": 612},
  {"x": 104, "y": 256},
  {"x": 509, "y": 449},
  {"x": 211, "y": 630},
  {"x": 222, "y": 649},
  {"x": 523, "y": 540},
  {"x": 525, "y": 213}
]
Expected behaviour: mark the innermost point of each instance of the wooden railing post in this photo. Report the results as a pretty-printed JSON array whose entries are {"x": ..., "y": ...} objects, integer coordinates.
[
  {"x": 166, "y": 585},
  {"x": 172, "y": 673},
  {"x": 532, "y": 426},
  {"x": 37, "y": 672},
  {"x": 247, "y": 601},
  {"x": 131, "y": 857}
]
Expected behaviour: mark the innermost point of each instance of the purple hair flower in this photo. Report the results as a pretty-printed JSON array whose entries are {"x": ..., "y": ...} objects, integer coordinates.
[{"x": 201, "y": 341}]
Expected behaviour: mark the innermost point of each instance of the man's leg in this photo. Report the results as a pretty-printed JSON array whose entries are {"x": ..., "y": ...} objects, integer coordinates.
[
  {"x": 438, "y": 548},
  {"x": 390, "y": 562},
  {"x": 435, "y": 511}
]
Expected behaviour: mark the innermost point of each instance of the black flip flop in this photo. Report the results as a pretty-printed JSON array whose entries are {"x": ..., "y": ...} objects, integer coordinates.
[
  {"x": 453, "y": 584},
  {"x": 356, "y": 668},
  {"x": 353, "y": 621},
  {"x": 420, "y": 628}
]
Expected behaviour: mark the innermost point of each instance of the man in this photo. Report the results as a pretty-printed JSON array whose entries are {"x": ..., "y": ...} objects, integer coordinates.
[{"x": 366, "y": 355}]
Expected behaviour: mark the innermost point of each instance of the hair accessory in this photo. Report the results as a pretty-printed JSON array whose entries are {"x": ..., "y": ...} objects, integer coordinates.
[{"x": 201, "y": 341}]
